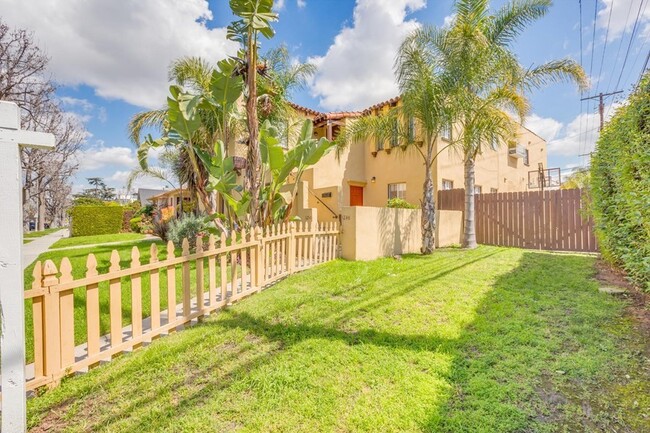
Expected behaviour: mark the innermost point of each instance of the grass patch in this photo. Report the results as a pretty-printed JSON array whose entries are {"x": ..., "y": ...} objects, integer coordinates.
[
  {"x": 26, "y": 241},
  {"x": 96, "y": 239},
  {"x": 41, "y": 233},
  {"x": 489, "y": 340}
]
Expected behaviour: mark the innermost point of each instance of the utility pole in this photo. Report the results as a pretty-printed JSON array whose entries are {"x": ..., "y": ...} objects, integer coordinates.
[{"x": 601, "y": 105}]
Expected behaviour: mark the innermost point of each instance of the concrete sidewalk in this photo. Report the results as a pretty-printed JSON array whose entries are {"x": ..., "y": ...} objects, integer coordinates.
[{"x": 35, "y": 248}]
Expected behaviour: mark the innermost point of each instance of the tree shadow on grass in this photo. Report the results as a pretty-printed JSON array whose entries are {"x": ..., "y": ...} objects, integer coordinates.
[
  {"x": 501, "y": 364},
  {"x": 539, "y": 355}
]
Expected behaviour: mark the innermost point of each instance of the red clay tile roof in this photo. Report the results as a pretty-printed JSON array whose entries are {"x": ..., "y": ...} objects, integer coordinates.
[{"x": 337, "y": 115}]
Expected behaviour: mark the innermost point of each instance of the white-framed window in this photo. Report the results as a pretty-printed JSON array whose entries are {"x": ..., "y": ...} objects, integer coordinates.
[
  {"x": 478, "y": 189},
  {"x": 526, "y": 157},
  {"x": 445, "y": 132},
  {"x": 447, "y": 184},
  {"x": 397, "y": 190}
]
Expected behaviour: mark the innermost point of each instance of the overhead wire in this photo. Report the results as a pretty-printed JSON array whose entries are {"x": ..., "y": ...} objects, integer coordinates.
[{"x": 629, "y": 46}]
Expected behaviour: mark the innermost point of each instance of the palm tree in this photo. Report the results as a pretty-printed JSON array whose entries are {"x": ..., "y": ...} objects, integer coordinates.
[
  {"x": 425, "y": 106},
  {"x": 490, "y": 85}
]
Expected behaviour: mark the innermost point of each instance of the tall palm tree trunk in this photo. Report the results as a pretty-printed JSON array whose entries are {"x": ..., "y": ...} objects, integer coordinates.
[
  {"x": 252, "y": 180},
  {"x": 428, "y": 207},
  {"x": 469, "y": 238}
]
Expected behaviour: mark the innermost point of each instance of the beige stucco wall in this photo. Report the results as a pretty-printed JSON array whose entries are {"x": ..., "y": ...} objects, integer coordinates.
[{"x": 368, "y": 233}]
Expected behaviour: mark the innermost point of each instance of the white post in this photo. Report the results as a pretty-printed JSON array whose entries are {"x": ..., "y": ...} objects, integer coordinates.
[{"x": 12, "y": 307}]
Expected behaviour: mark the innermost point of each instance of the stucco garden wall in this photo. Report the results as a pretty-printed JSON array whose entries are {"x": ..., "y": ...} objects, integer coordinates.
[{"x": 368, "y": 233}]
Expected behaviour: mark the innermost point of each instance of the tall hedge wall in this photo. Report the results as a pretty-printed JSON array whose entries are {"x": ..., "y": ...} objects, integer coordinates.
[
  {"x": 95, "y": 220},
  {"x": 620, "y": 173}
]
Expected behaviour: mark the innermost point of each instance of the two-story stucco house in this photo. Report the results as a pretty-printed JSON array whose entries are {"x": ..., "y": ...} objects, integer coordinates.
[{"x": 368, "y": 173}]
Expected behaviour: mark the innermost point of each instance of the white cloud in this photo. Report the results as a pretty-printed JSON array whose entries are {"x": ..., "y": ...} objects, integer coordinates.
[
  {"x": 279, "y": 5},
  {"x": 545, "y": 127},
  {"x": 83, "y": 104},
  {"x": 623, "y": 16},
  {"x": 100, "y": 156},
  {"x": 357, "y": 70},
  {"x": 301, "y": 3},
  {"x": 577, "y": 137},
  {"x": 123, "y": 51}
]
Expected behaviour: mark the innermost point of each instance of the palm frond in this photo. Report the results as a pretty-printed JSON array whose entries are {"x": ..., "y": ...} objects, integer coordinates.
[{"x": 154, "y": 119}]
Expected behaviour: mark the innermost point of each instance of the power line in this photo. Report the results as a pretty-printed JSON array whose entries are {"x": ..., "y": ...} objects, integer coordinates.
[
  {"x": 629, "y": 46},
  {"x": 602, "y": 60},
  {"x": 618, "y": 52},
  {"x": 582, "y": 66}
]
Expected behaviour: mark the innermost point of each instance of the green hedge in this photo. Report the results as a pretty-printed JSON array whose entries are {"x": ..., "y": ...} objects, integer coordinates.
[
  {"x": 620, "y": 180},
  {"x": 95, "y": 220}
]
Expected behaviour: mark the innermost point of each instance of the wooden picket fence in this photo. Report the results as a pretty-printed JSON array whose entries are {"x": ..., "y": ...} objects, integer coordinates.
[
  {"x": 231, "y": 268},
  {"x": 547, "y": 220}
]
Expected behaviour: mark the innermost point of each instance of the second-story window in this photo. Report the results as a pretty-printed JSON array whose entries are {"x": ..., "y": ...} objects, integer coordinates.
[
  {"x": 411, "y": 128},
  {"x": 447, "y": 184},
  {"x": 526, "y": 157},
  {"x": 445, "y": 132},
  {"x": 394, "y": 139},
  {"x": 379, "y": 145}
]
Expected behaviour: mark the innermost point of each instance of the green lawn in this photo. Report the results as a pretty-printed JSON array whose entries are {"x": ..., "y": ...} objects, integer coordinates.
[
  {"x": 41, "y": 233},
  {"x": 96, "y": 239},
  {"x": 78, "y": 257},
  {"x": 490, "y": 340}
]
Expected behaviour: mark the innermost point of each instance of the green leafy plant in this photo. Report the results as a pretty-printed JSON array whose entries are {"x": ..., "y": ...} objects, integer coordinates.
[
  {"x": 620, "y": 187},
  {"x": 400, "y": 203},
  {"x": 188, "y": 227}
]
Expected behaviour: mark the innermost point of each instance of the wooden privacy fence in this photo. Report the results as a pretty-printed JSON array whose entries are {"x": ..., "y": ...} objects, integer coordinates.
[
  {"x": 548, "y": 220},
  {"x": 229, "y": 268}
]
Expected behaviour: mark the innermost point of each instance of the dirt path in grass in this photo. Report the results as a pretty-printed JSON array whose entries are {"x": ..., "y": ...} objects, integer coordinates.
[{"x": 625, "y": 396}]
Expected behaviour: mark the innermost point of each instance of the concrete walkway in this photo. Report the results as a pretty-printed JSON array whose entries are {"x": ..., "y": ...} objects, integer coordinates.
[{"x": 35, "y": 248}]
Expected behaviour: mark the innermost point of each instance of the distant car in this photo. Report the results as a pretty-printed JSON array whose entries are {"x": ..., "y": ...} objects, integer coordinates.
[{"x": 32, "y": 226}]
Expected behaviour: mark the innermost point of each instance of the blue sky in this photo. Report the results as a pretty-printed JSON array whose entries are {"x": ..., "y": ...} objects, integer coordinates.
[{"x": 110, "y": 59}]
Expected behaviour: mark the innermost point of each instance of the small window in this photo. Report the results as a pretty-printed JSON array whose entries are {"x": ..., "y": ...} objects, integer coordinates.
[
  {"x": 396, "y": 190},
  {"x": 494, "y": 190},
  {"x": 445, "y": 133},
  {"x": 526, "y": 157},
  {"x": 411, "y": 129},
  {"x": 478, "y": 189},
  {"x": 494, "y": 142},
  {"x": 380, "y": 144},
  {"x": 447, "y": 184},
  {"x": 394, "y": 139}
]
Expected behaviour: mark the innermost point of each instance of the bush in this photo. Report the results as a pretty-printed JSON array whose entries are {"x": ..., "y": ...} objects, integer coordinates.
[
  {"x": 188, "y": 226},
  {"x": 127, "y": 216},
  {"x": 95, "y": 220},
  {"x": 145, "y": 210},
  {"x": 135, "y": 224},
  {"x": 400, "y": 203},
  {"x": 620, "y": 187}
]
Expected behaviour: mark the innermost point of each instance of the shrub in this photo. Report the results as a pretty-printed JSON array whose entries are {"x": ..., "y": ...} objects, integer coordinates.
[
  {"x": 188, "y": 226},
  {"x": 620, "y": 187},
  {"x": 145, "y": 210},
  {"x": 127, "y": 216},
  {"x": 135, "y": 224},
  {"x": 400, "y": 203},
  {"x": 95, "y": 220}
]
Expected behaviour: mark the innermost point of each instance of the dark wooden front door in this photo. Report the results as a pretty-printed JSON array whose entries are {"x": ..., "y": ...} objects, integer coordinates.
[{"x": 356, "y": 195}]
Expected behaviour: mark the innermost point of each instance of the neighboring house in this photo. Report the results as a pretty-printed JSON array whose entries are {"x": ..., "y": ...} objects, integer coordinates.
[
  {"x": 145, "y": 194},
  {"x": 369, "y": 173},
  {"x": 171, "y": 198}
]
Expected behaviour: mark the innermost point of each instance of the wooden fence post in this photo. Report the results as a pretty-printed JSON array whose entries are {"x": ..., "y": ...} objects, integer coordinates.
[
  {"x": 259, "y": 258},
  {"x": 291, "y": 249},
  {"x": 66, "y": 316},
  {"x": 52, "y": 334},
  {"x": 38, "y": 315}
]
